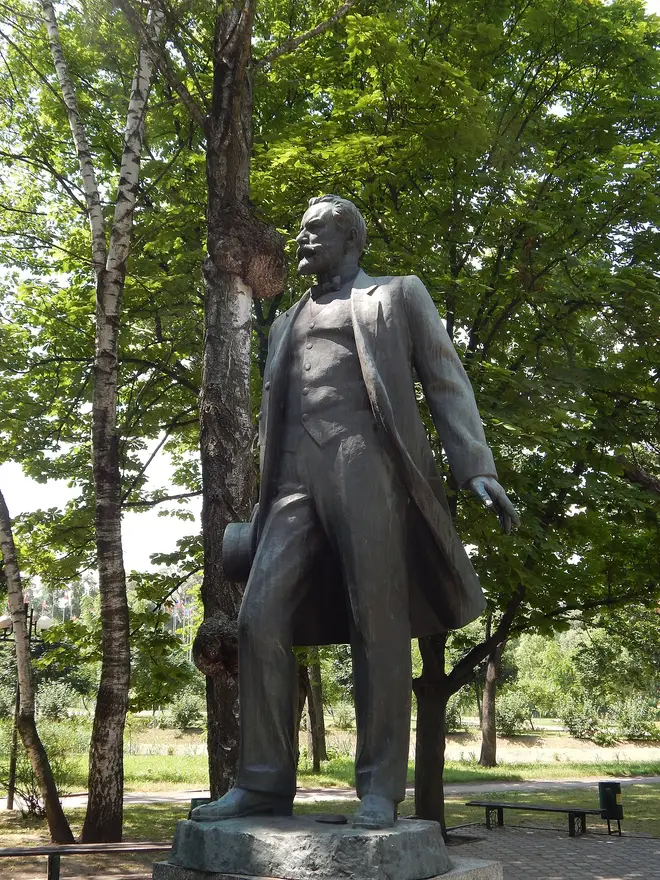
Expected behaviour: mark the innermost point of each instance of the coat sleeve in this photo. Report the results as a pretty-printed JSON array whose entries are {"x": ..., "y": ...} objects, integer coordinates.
[{"x": 446, "y": 387}]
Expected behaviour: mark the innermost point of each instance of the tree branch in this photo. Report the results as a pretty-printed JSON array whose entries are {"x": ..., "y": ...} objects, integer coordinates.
[
  {"x": 156, "y": 501},
  {"x": 639, "y": 476},
  {"x": 160, "y": 59},
  {"x": 90, "y": 185},
  {"x": 292, "y": 44}
]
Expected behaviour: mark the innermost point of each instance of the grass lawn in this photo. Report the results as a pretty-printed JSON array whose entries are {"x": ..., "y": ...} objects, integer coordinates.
[{"x": 167, "y": 772}]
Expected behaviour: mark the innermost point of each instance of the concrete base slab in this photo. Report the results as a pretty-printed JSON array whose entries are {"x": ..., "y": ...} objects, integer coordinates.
[
  {"x": 301, "y": 848},
  {"x": 461, "y": 869}
]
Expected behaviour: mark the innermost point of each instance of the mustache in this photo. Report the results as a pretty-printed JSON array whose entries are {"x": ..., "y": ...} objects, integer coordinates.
[{"x": 307, "y": 250}]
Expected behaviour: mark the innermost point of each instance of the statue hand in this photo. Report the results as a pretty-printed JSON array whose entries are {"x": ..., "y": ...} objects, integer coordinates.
[{"x": 491, "y": 494}]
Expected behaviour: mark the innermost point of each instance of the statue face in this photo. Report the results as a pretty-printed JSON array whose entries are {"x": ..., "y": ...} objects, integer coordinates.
[{"x": 321, "y": 243}]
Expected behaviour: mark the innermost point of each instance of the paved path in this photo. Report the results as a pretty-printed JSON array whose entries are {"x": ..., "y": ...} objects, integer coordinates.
[
  {"x": 319, "y": 795},
  {"x": 528, "y": 854}
]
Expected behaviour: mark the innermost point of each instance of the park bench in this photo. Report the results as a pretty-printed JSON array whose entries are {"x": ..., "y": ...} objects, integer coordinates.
[
  {"x": 577, "y": 816},
  {"x": 55, "y": 851}
]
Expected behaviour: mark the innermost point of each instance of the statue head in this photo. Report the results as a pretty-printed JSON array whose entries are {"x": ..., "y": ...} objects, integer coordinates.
[{"x": 332, "y": 236}]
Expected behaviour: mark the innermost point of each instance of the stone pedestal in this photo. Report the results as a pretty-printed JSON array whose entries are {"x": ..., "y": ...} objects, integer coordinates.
[{"x": 300, "y": 848}]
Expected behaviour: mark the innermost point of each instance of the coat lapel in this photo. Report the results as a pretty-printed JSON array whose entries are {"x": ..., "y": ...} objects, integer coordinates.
[{"x": 276, "y": 397}]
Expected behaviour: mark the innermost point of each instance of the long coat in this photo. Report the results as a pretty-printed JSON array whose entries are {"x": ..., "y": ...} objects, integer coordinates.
[{"x": 398, "y": 333}]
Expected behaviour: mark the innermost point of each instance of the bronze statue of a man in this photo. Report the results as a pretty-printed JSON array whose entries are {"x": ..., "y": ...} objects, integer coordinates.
[{"x": 354, "y": 540}]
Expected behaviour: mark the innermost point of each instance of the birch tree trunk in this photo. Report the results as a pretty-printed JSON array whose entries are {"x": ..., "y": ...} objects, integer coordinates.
[
  {"x": 57, "y": 823},
  {"x": 103, "y": 820},
  {"x": 104, "y": 816}
]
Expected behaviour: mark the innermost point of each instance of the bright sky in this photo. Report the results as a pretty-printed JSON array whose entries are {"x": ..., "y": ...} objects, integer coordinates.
[{"x": 142, "y": 533}]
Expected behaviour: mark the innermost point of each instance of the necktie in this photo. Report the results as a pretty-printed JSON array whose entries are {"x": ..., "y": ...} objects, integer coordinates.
[{"x": 318, "y": 290}]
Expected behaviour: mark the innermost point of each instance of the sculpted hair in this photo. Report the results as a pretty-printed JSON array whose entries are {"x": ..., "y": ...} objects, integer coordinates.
[{"x": 347, "y": 217}]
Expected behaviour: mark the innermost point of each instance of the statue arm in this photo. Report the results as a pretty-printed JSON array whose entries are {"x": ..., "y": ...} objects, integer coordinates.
[{"x": 446, "y": 387}]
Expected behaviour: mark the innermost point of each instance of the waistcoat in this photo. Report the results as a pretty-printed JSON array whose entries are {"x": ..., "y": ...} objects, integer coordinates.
[{"x": 326, "y": 394}]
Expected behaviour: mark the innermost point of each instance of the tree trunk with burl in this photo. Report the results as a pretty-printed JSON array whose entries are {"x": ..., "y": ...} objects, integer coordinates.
[{"x": 245, "y": 259}]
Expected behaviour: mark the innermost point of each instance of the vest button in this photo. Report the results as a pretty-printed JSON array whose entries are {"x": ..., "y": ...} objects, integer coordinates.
[
  {"x": 305, "y": 391},
  {"x": 305, "y": 416},
  {"x": 308, "y": 367},
  {"x": 312, "y": 325},
  {"x": 309, "y": 345},
  {"x": 267, "y": 386}
]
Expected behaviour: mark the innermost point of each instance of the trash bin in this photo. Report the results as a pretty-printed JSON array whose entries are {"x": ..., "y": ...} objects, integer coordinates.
[{"x": 611, "y": 803}]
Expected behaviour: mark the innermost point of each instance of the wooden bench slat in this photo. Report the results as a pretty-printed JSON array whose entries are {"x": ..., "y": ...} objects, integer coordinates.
[
  {"x": 511, "y": 805},
  {"x": 83, "y": 849}
]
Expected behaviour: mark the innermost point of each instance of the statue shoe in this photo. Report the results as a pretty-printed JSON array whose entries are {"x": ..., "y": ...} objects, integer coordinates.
[
  {"x": 375, "y": 811},
  {"x": 241, "y": 802}
]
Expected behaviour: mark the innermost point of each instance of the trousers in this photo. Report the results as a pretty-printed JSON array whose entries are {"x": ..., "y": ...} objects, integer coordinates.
[{"x": 346, "y": 493}]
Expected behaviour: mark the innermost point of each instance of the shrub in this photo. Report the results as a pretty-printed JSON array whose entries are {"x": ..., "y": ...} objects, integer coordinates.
[
  {"x": 581, "y": 719},
  {"x": 634, "y": 719},
  {"x": 453, "y": 720},
  {"x": 512, "y": 712},
  {"x": 57, "y": 742},
  {"x": 7, "y": 698},
  {"x": 54, "y": 699},
  {"x": 187, "y": 711},
  {"x": 344, "y": 716}
]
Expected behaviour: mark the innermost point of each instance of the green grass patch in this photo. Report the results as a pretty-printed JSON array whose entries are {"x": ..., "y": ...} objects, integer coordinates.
[
  {"x": 339, "y": 772},
  {"x": 466, "y": 771},
  {"x": 150, "y": 772},
  {"x": 171, "y": 772}
]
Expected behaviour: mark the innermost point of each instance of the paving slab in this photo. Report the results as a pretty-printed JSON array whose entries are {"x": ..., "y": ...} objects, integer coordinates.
[{"x": 531, "y": 854}]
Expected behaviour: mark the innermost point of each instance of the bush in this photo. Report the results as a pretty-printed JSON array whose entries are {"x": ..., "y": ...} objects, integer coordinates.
[
  {"x": 582, "y": 720},
  {"x": 7, "y": 698},
  {"x": 56, "y": 739},
  {"x": 453, "y": 720},
  {"x": 187, "y": 711},
  {"x": 512, "y": 712},
  {"x": 54, "y": 699},
  {"x": 634, "y": 719},
  {"x": 343, "y": 715}
]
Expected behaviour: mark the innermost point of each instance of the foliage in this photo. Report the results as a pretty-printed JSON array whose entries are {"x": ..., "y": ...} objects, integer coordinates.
[
  {"x": 635, "y": 719},
  {"x": 581, "y": 719},
  {"x": 7, "y": 701},
  {"x": 453, "y": 720},
  {"x": 187, "y": 711},
  {"x": 343, "y": 715},
  {"x": 512, "y": 711},
  {"x": 54, "y": 700},
  {"x": 337, "y": 674},
  {"x": 59, "y": 748}
]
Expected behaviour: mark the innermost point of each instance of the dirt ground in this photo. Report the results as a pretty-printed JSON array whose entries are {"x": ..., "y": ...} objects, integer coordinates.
[{"x": 546, "y": 748}]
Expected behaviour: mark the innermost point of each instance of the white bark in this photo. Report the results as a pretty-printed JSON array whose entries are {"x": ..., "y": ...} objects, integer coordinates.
[
  {"x": 17, "y": 611},
  {"x": 104, "y": 813},
  {"x": 57, "y": 823},
  {"x": 87, "y": 172}
]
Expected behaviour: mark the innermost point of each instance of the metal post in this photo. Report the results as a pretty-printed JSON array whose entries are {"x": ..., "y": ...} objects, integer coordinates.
[{"x": 53, "y": 866}]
